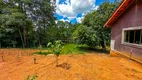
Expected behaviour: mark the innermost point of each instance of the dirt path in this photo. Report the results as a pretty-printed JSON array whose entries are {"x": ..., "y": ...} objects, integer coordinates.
[{"x": 18, "y": 64}]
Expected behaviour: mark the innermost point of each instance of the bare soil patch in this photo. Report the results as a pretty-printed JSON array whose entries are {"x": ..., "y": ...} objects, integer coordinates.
[{"x": 18, "y": 64}]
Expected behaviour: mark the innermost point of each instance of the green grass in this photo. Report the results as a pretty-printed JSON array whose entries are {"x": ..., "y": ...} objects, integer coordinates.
[
  {"x": 67, "y": 49},
  {"x": 75, "y": 49},
  {"x": 72, "y": 49}
]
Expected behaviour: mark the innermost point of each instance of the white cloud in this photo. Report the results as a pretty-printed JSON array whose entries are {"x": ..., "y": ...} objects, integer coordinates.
[
  {"x": 73, "y": 7},
  {"x": 56, "y": 21},
  {"x": 65, "y": 10},
  {"x": 64, "y": 20},
  {"x": 79, "y": 19},
  {"x": 95, "y": 7}
]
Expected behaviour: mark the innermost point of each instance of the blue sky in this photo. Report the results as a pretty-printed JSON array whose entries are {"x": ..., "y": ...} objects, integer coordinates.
[{"x": 74, "y": 10}]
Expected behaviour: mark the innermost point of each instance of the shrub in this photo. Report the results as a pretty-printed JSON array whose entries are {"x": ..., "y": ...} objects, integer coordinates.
[{"x": 33, "y": 77}]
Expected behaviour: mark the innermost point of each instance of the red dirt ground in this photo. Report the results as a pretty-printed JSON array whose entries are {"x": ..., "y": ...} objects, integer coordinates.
[{"x": 18, "y": 64}]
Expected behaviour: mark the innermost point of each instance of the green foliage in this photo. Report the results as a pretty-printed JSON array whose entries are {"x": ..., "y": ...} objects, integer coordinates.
[
  {"x": 40, "y": 47},
  {"x": 43, "y": 17},
  {"x": 73, "y": 49},
  {"x": 85, "y": 35},
  {"x": 92, "y": 31},
  {"x": 56, "y": 48},
  {"x": 61, "y": 31},
  {"x": 66, "y": 49},
  {"x": 25, "y": 23},
  {"x": 50, "y": 45}
]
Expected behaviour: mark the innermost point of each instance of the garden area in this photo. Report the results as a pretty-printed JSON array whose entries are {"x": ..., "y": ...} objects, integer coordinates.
[{"x": 73, "y": 64}]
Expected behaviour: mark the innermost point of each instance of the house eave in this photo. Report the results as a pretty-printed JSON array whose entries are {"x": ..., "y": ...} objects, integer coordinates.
[{"x": 118, "y": 12}]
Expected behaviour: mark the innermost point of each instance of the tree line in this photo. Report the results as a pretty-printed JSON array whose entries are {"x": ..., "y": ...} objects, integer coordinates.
[{"x": 31, "y": 23}]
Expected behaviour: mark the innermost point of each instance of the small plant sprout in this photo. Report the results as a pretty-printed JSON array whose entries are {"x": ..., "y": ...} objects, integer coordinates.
[
  {"x": 33, "y": 77},
  {"x": 29, "y": 54},
  {"x": 34, "y": 60},
  {"x": 40, "y": 48},
  {"x": 2, "y": 58},
  {"x": 17, "y": 57},
  {"x": 21, "y": 53}
]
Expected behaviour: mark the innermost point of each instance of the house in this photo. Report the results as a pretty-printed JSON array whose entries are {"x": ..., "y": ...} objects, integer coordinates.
[{"x": 126, "y": 29}]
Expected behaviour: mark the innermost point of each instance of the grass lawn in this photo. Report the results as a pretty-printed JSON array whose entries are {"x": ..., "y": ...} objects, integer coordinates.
[
  {"x": 67, "y": 49},
  {"x": 74, "y": 49}
]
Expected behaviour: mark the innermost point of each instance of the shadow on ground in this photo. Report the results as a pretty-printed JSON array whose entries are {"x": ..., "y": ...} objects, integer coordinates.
[
  {"x": 96, "y": 50},
  {"x": 64, "y": 66}
]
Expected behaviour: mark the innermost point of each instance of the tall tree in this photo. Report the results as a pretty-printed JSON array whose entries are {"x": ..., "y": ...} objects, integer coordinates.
[
  {"x": 21, "y": 20},
  {"x": 43, "y": 17},
  {"x": 14, "y": 17},
  {"x": 95, "y": 22}
]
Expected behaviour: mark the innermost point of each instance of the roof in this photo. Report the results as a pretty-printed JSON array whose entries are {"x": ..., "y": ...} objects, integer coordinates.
[{"x": 122, "y": 7}]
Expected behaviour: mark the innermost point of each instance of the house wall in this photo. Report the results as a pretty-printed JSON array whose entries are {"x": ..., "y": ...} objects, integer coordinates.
[{"x": 132, "y": 17}]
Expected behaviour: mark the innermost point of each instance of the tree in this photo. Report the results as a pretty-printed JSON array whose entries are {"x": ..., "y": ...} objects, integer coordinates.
[
  {"x": 14, "y": 18},
  {"x": 25, "y": 22},
  {"x": 92, "y": 31},
  {"x": 56, "y": 48},
  {"x": 43, "y": 18},
  {"x": 61, "y": 31},
  {"x": 85, "y": 35}
]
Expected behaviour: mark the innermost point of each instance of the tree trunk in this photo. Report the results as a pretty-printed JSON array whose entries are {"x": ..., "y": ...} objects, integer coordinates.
[
  {"x": 56, "y": 60},
  {"x": 44, "y": 26},
  {"x": 21, "y": 38},
  {"x": 25, "y": 36},
  {"x": 39, "y": 43},
  {"x": 0, "y": 44},
  {"x": 103, "y": 45},
  {"x": 102, "y": 42}
]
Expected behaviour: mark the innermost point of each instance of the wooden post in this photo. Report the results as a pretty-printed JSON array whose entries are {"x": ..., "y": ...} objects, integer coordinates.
[{"x": 131, "y": 53}]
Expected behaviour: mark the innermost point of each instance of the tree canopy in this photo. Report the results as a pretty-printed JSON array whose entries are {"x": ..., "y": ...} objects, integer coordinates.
[
  {"x": 92, "y": 31},
  {"x": 31, "y": 23},
  {"x": 23, "y": 22}
]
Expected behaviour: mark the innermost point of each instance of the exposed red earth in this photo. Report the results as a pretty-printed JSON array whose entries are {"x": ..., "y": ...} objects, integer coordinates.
[{"x": 17, "y": 64}]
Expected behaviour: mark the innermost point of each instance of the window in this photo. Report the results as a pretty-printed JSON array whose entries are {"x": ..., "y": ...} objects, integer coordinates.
[{"x": 133, "y": 36}]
